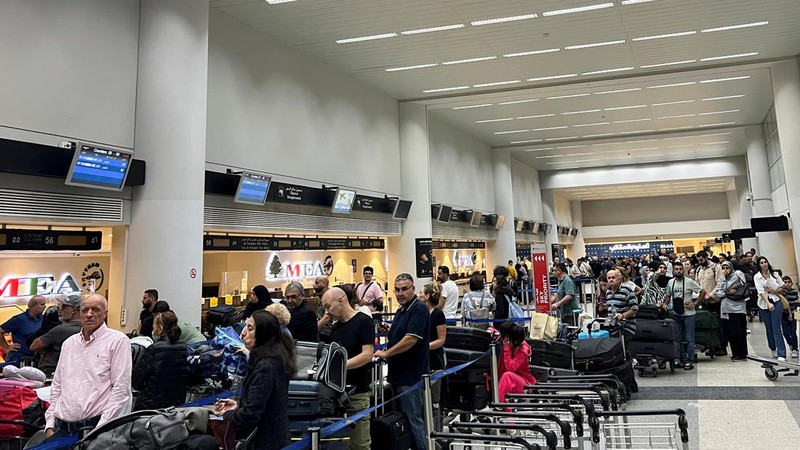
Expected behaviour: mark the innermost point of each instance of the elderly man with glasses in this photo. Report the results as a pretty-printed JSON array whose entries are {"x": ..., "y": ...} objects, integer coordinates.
[{"x": 303, "y": 325}]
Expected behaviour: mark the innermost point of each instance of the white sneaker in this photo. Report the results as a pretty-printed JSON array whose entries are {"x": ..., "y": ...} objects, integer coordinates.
[
  {"x": 794, "y": 354},
  {"x": 781, "y": 359},
  {"x": 774, "y": 354}
]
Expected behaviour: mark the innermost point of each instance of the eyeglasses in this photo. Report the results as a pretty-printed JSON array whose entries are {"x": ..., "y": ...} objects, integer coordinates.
[
  {"x": 291, "y": 297},
  {"x": 403, "y": 289}
]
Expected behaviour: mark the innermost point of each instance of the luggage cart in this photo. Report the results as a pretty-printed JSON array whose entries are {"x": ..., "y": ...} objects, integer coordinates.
[
  {"x": 667, "y": 434},
  {"x": 17, "y": 441},
  {"x": 458, "y": 441}
]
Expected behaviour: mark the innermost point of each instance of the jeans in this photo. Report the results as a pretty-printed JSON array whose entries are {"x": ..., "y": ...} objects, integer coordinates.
[
  {"x": 685, "y": 326},
  {"x": 772, "y": 323},
  {"x": 359, "y": 436},
  {"x": 411, "y": 404},
  {"x": 789, "y": 328}
]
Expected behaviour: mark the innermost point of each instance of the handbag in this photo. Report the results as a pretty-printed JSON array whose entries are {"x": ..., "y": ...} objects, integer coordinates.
[
  {"x": 784, "y": 303},
  {"x": 544, "y": 326},
  {"x": 514, "y": 310},
  {"x": 480, "y": 313}
]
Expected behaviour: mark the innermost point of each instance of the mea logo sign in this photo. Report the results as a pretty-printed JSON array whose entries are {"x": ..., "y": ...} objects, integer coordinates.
[
  {"x": 277, "y": 270},
  {"x": 38, "y": 285}
]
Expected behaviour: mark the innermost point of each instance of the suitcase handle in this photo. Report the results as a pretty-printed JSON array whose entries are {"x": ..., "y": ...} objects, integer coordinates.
[{"x": 577, "y": 414}]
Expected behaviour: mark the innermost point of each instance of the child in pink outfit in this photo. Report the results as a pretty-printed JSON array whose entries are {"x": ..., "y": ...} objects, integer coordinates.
[{"x": 513, "y": 366}]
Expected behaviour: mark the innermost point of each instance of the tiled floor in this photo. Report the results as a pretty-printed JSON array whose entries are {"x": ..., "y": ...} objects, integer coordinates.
[{"x": 730, "y": 405}]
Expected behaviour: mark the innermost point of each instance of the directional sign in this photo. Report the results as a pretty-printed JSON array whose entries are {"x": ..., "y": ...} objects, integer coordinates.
[{"x": 541, "y": 280}]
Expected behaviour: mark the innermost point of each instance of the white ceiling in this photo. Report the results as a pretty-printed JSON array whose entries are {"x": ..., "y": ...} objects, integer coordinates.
[
  {"x": 588, "y": 127},
  {"x": 655, "y": 189}
]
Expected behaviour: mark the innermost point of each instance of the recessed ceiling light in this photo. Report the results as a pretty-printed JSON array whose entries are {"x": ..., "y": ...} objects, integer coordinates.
[
  {"x": 538, "y": 116},
  {"x": 531, "y": 52},
  {"x": 478, "y": 23},
  {"x": 716, "y": 143},
  {"x": 469, "y": 60},
  {"x": 597, "y": 135},
  {"x": 597, "y": 124},
  {"x": 718, "y": 80},
  {"x": 636, "y": 131},
  {"x": 556, "y": 97},
  {"x": 738, "y": 55},
  {"x": 433, "y": 29},
  {"x": 620, "y": 108},
  {"x": 661, "y": 86},
  {"x": 673, "y": 63},
  {"x": 553, "y": 77},
  {"x": 504, "y": 119},
  {"x": 559, "y": 12},
  {"x": 712, "y": 134},
  {"x": 645, "y": 119},
  {"x": 275, "y": 2},
  {"x": 550, "y": 156},
  {"x": 680, "y": 146},
  {"x": 597, "y": 72},
  {"x": 536, "y": 149},
  {"x": 662, "y": 36},
  {"x": 719, "y": 112},
  {"x": 496, "y": 83},
  {"x": 514, "y": 102},
  {"x": 595, "y": 44},
  {"x": 736, "y": 27},
  {"x": 711, "y": 99},
  {"x": 633, "y": 2},
  {"x": 561, "y": 138},
  {"x": 678, "y": 128},
  {"x": 482, "y": 105},
  {"x": 678, "y": 116},
  {"x": 454, "y": 88},
  {"x": 511, "y": 131},
  {"x": 418, "y": 66},
  {"x": 581, "y": 112},
  {"x": 617, "y": 91},
  {"x": 550, "y": 128},
  {"x": 678, "y": 102},
  {"x": 366, "y": 38}
]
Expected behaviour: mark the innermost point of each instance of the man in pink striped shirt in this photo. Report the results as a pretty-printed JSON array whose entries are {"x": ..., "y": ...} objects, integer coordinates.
[{"x": 92, "y": 381}]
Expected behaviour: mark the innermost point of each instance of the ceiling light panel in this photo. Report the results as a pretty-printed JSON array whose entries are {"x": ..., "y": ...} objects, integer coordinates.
[
  {"x": 553, "y": 77},
  {"x": 496, "y": 83},
  {"x": 469, "y": 60},
  {"x": 579, "y": 9},
  {"x": 673, "y": 63},
  {"x": 597, "y": 124},
  {"x": 504, "y": 119},
  {"x": 729, "y": 111},
  {"x": 644, "y": 119},
  {"x": 478, "y": 23},
  {"x": 550, "y": 128},
  {"x": 418, "y": 66},
  {"x": 482, "y": 105},
  {"x": 678, "y": 102},
  {"x": 558, "y": 97},
  {"x": 737, "y": 55},
  {"x": 678, "y": 116},
  {"x": 433, "y": 29},
  {"x": 366, "y": 38},
  {"x": 598, "y": 72},
  {"x": 618, "y": 91},
  {"x": 620, "y": 108},
  {"x": 595, "y": 44},
  {"x": 736, "y": 27},
  {"x": 587, "y": 111},
  {"x": 719, "y": 80},
  {"x": 511, "y": 131},
  {"x": 537, "y": 116},
  {"x": 662, "y": 86},
  {"x": 561, "y": 138},
  {"x": 664, "y": 36},
  {"x": 514, "y": 102},
  {"x": 726, "y": 97},
  {"x": 445, "y": 89},
  {"x": 531, "y": 52}
]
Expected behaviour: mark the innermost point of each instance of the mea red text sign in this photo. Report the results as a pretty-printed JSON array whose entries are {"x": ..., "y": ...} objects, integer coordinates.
[{"x": 541, "y": 281}]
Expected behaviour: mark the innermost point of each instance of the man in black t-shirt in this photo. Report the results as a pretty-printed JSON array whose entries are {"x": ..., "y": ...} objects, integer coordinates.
[
  {"x": 146, "y": 316},
  {"x": 355, "y": 333}
]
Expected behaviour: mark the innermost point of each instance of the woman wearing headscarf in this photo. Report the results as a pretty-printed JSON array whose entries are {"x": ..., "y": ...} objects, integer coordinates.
[
  {"x": 656, "y": 287},
  {"x": 259, "y": 300},
  {"x": 733, "y": 293}
]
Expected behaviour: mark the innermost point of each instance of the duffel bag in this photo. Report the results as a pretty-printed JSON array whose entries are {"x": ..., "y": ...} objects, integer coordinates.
[
  {"x": 144, "y": 430},
  {"x": 592, "y": 355},
  {"x": 655, "y": 330},
  {"x": 651, "y": 312}
]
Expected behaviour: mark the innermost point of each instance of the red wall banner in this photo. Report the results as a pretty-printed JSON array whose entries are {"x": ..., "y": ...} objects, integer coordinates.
[{"x": 540, "y": 277}]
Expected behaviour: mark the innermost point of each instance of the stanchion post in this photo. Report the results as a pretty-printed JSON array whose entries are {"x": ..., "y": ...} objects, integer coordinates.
[
  {"x": 495, "y": 376},
  {"x": 315, "y": 437},
  {"x": 427, "y": 405}
]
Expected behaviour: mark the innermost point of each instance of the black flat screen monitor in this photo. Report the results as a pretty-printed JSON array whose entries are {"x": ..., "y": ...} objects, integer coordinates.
[
  {"x": 99, "y": 168},
  {"x": 343, "y": 201},
  {"x": 518, "y": 224},
  {"x": 742, "y": 233},
  {"x": 573, "y": 231},
  {"x": 765, "y": 224},
  {"x": 252, "y": 189},
  {"x": 500, "y": 223},
  {"x": 401, "y": 209},
  {"x": 475, "y": 220},
  {"x": 444, "y": 213}
]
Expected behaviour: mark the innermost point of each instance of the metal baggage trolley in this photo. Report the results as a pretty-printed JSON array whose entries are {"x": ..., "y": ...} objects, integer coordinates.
[{"x": 661, "y": 434}]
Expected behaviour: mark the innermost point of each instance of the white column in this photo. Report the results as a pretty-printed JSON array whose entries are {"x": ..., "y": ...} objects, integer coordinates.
[
  {"x": 116, "y": 281},
  {"x": 504, "y": 248},
  {"x": 165, "y": 250},
  {"x": 415, "y": 179},
  {"x": 578, "y": 244},
  {"x": 786, "y": 91},
  {"x": 549, "y": 214},
  {"x": 742, "y": 211}
]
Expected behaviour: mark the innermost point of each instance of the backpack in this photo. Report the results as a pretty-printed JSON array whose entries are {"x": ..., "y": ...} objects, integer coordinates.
[
  {"x": 514, "y": 310},
  {"x": 480, "y": 312},
  {"x": 20, "y": 404}
]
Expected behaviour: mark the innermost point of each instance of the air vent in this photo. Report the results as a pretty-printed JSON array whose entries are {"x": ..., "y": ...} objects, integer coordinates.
[
  {"x": 59, "y": 207},
  {"x": 228, "y": 218},
  {"x": 442, "y": 232}
]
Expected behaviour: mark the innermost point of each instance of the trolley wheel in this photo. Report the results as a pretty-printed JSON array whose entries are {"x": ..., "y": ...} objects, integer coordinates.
[
  {"x": 641, "y": 372},
  {"x": 672, "y": 365},
  {"x": 771, "y": 373}
]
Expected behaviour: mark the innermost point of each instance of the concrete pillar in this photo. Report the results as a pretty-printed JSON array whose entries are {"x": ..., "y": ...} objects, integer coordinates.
[
  {"x": 786, "y": 91},
  {"x": 415, "y": 179},
  {"x": 578, "y": 244},
  {"x": 549, "y": 214},
  {"x": 165, "y": 247},
  {"x": 504, "y": 248},
  {"x": 116, "y": 281},
  {"x": 740, "y": 209}
]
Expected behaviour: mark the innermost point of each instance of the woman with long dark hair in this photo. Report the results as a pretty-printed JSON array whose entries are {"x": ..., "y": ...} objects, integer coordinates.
[
  {"x": 513, "y": 367},
  {"x": 263, "y": 408},
  {"x": 162, "y": 373},
  {"x": 769, "y": 285},
  {"x": 503, "y": 294}
]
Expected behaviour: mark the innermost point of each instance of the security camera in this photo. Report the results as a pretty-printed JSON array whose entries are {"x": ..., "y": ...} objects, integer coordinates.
[{"x": 748, "y": 197}]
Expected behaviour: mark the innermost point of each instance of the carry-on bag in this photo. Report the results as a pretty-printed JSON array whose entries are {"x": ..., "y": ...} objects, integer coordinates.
[
  {"x": 222, "y": 315},
  {"x": 551, "y": 353},
  {"x": 651, "y": 312},
  {"x": 20, "y": 403},
  {"x": 624, "y": 373},
  {"x": 665, "y": 350},
  {"x": 655, "y": 330},
  {"x": 592, "y": 355},
  {"x": 457, "y": 357},
  {"x": 544, "y": 326},
  {"x": 391, "y": 431},
  {"x": 467, "y": 338}
]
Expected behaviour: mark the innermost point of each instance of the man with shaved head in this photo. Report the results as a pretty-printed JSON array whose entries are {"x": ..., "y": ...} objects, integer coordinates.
[
  {"x": 92, "y": 382},
  {"x": 22, "y": 327},
  {"x": 355, "y": 333},
  {"x": 324, "y": 322}
]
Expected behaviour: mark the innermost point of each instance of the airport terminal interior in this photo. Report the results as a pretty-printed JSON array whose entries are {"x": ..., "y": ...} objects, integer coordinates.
[{"x": 205, "y": 147}]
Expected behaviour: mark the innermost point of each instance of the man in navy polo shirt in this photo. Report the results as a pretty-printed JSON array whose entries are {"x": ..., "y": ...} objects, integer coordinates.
[
  {"x": 407, "y": 352},
  {"x": 22, "y": 327}
]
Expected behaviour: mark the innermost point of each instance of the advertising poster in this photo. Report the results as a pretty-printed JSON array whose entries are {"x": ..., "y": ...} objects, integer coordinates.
[
  {"x": 424, "y": 252},
  {"x": 540, "y": 277}
]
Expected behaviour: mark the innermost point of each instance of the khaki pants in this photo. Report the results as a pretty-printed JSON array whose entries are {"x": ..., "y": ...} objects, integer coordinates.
[{"x": 359, "y": 436}]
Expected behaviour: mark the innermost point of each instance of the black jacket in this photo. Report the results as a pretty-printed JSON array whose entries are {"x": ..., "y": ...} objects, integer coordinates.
[
  {"x": 161, "y": 376},
  {"x": 303, "y": 325},
  {"x": 264, "y": 404}
]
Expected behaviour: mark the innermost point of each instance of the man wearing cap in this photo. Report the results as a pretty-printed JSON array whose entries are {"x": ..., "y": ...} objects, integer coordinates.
[
  {"x": 22, "y": 327},
  {"x": 49, "y": 344}
]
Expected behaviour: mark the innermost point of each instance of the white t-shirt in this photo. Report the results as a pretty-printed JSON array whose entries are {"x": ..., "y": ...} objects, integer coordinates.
[{"x": 450, "y": 294}]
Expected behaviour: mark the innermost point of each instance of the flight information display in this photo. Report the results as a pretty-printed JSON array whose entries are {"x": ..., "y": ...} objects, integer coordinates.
[
  {"x": 343, "y": 201},
  {"x": 253, "y": 189},
  {"x": 99, "y": 168}
]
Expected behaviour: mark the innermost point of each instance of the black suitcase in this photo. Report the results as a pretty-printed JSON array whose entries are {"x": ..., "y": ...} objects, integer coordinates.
[
  {"x": 551, "y": 353},
  {"x": 457, "y": 357},
  {"x": 304, "y": 399},
  {"x": 464, "y": 396},
  {"x": 592, "y": 355},
  {"x": 655, "y": 330},
  {"x": 666, "y": 349},
  {"x": 468, "y": 338},
  {"x": 624, "y": 373},
  {"x": 543, "y": 373},
  {"x": 391, "y": 432},
  {"x": 651, "y": 312},
  {"x": 470, "y": 375},
  {"x": 223, "y": 316}
]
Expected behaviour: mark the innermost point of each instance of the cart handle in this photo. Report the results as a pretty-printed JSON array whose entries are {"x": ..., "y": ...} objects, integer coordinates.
[
  {"x": 587, "y": 404},
  {"x": 609, "y": 380},
  {"x": 596, "y": 388},
  {"x": 683, "y": 424},
  {"x": 564, "y": 427},
  {"x": 482, "y": 438},
  {"x": 577, "y": 415},
  {"x": 549, "y": 436}
]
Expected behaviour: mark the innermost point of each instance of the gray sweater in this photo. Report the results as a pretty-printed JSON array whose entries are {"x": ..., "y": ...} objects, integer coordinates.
[{"x": 735, "y": 303}]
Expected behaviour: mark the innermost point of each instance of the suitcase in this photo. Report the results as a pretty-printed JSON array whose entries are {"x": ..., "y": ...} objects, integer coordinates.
[
  {"x": 468, "y": 338},
  {"x": 223, "y": 316},
  {"x": 391, "y": 432},
  {"x": 655, "y": 330},
  {"x": 470, "y": 375},
  {"x": 705, "y": 320},
  {"x": 456, "y": 357},
  {"x": 651, "y": 312},
  {"x": 304, "y": 399},
  {"x": 624, "y": 373},
  {"x": 600, "y": 334},
  {"x": 551, "y": 353},
  {"x": 592, "y": 355},
  {"x": 543, "y": 373},
  {"x": 464, "y": 396},
  {"x": 666, "y": 350}
]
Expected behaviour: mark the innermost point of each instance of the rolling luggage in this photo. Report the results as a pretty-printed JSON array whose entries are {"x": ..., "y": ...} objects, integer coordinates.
[
  {"x": 470, "y": 375},
  {"x": 456, "y": 357},
  {"x": 551, "y": 353},
  {"x": 624, "y": 373},
  {"x": 665, "y": 350},
  {"x": 20, "y": 404},
  {"x": 391, "y": 432},
  {"x": 468, "y": 338},
  {"x": 655, "y": 330},
  {"x": 542, "y": 373},
  {"x": 651, "y": 312},
  {"x": 222, "y": 315},
  {"x": 592, "y": 355},
  {"x": 464, "y": 396},
  {"x": 706, "y": 330},
  {"x": 315, "y": 399}
]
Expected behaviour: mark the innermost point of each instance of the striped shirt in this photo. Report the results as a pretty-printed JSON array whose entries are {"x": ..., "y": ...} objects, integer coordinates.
[{"x": 621, "y": 301}]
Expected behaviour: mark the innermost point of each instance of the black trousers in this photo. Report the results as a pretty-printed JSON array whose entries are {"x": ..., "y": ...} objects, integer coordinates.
[{"x": 735, "y": 330}]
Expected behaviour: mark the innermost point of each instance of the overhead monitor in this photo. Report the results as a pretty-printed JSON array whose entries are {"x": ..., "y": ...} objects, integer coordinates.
[
  {"x": 501, "y": 221},
  {"x": 343, "y": 201},
  {"x": 475, "y": 220},
  {"x": 401, "y": 209},
  {"x": 518, "y": 224},
  {"x": 99, "y": 168},
  {"x": 444, "y": 213},
  {"x": 573, "y": 232},
  {"x": 565, "y": 231},
  {"x": 765, "y": 224},
  {"x": 435, "y": 211},
  {"x": 742, "y": 233},
  {"x": 252, "y": 189}
]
